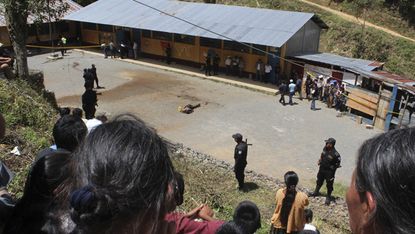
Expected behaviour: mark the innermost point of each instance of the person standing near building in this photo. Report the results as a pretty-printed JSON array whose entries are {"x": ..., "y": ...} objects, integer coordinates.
[
  {"x": 112, "y": 49},
  {"x": 315, "y": 92},
  {"x": 259, "y": 70},
  {"x": 94, "y": 74},
  {"x": 291, "y": 89},
  {"x": 135, "y": 50},
  {"x": 208, "y": 65},
  {"x": 89, "y": 101},
  {"x": 299, "y": 87},
  {"x": 283, "y": 90},
  {"x": 216, "y": 61},
  {"x": 240, "y": 155},
  {"x": 228, "y": 64},
  {"x": 328, "y": 163},
  {"x": 268, "y": 69}
]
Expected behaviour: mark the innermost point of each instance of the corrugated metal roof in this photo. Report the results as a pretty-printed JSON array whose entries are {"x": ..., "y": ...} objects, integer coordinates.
[
  {"x": 249, "y": 25},
  {"x": 72, "y": 7},
  {"x": 358, "y": 65}
]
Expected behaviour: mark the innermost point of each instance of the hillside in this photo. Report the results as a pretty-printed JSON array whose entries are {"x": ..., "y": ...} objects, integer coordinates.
[
  {"x": 346, "y": 38},
  {"x": 399, "y": 16}
]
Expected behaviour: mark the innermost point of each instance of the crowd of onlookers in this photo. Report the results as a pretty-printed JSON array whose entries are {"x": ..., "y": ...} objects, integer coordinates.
[{"x": 116, "y": 176}]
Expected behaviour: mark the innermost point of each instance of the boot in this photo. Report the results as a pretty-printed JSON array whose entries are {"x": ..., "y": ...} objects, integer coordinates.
[
  {"x": 328, "y": 198},
  {"x": 316, "y": 192}
]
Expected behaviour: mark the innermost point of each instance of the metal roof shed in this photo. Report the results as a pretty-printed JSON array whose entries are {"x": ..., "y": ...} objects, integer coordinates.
[{"x": 248, "y": 25}]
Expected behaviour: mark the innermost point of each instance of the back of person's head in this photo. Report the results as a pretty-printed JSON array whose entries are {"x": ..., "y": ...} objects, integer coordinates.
[
  {"x": 77, "y": 112},
  {"x": 68, "y": 132},
  {"x": 291, "y": 181},
  {"x": 123, "y": 177},
  {"x": 247, "y": 216},
  {"x": 46, "y": 175},
  {"x": 308, "y": 215},
  {"x": 230, "y": 228},
  {"x": 179, "y": 188},
  {"x": 385, "y": 183},
  {"x": 64, "y": 111}
]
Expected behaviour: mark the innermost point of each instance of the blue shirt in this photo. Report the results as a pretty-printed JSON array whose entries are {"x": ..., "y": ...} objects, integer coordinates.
[{"x": 291, "y": 87}]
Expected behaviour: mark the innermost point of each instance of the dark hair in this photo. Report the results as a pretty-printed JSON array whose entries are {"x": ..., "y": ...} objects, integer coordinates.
[
  {"x": 68, "y": 132},
  {"x": 77, "y": 112},
  {"x": 179, "y": 188},
  {"x": 386, "y": 168},
  {"x": 247, "y": 216},
  {"x": 122, "y": 173},
  {"x": 230, "y": 228},
  {"x": 291, "y": 181},
  {"x": 308, "y": 213},
  {"x": 45, "y": 176},
  {"x": 64, "y": 111}
]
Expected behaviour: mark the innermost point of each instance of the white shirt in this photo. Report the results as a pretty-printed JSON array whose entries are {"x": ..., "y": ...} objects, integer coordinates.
[
  {"x": 310, "y": 227},
  {"x": 91, "y": 124},
  {"x": 268, "y": 68}
]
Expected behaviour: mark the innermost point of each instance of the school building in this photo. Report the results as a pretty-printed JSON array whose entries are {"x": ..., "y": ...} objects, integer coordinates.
[
  {"x": 40, "y": 32},
  {"x": 281, "y": 33}
]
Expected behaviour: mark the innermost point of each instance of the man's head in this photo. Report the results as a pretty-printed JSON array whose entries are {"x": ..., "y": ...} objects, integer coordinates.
[
  {"x": 64, "y": 111},
  {"x": 237, "y": 137},
  {"x": 308, "y": 215},
  {"x": 68, "y": 132},
  {"x": 291, "y": 81},
  {"x": 77, "y": 112},
  {"x": 93, "y": 65},
  {"x": 330, "y": 143},
  {"x": 247, "y": 216}
]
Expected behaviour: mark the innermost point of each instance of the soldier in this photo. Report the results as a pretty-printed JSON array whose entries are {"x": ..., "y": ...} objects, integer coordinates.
[
  {"x": 241, "y": 152},
  {"x": 89, "y": 101},
  {"x": 329, "y": 162},
  {"x": 88, "y": 78},
  {"x": 208, "y": 64},
  {"x": 216, "y": 61},
  {"x": 94, "y": 75}
]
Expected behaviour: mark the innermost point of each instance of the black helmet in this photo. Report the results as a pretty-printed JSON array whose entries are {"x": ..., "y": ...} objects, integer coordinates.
[
  {"x": 331, "y": 141},
  {"x": 237, "y": 136}
]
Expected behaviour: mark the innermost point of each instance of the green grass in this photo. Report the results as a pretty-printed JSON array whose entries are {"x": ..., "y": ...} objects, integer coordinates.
[{"x": 29, "y": 120}]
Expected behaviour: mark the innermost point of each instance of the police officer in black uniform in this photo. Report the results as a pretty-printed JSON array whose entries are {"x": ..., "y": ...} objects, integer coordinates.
[
  {"x": 241, "y": 152},
  {"x": 329, "y": 162},
  {"x": 89, "y": 101}
]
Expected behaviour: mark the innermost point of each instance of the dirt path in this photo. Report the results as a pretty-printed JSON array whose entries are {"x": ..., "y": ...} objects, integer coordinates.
[{"x": 356, "y": 20}]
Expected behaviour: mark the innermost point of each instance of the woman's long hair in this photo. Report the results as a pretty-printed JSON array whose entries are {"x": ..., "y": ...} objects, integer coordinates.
[{"x": 291, "y": 181}]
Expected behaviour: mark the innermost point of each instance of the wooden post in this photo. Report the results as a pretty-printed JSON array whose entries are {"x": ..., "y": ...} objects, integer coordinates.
[
  {"x": 391, "y": 107},
  {"x": 404, "y": 109},
  {"x": 377, "y": 104}
]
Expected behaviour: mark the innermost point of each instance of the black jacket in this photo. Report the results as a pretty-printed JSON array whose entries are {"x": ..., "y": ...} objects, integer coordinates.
[
  {"x": 330, "y": 159},
  {"x": 241, "y": 152}
]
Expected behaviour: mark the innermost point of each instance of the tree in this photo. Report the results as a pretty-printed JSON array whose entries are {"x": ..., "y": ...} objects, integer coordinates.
[{"x": 16, "y": 13}]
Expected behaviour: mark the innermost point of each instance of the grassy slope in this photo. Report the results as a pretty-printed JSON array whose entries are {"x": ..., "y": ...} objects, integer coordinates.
[
  {"x": 343, "y": 37},
  {"x": 29, "y": 119},
  {"x": 378, "y": 14}
]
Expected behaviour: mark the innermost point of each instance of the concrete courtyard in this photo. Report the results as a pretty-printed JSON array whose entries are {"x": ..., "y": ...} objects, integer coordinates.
[{"x": 283, "y": 137}]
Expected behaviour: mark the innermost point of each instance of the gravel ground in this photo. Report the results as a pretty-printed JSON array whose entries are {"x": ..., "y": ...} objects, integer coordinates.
[{"x": 283, "y": 137}]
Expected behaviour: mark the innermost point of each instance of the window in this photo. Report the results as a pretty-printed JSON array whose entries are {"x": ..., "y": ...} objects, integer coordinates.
[
  {"x": 162, "y": 36},
  {"x": 235, "y": 46},
  {"x": 257, "y": 52},
  {"x": 184, "y": 39},
  {"x": 212, "y": 43},
  {"x": 146, "y": 33},
  {"x": 89, "y": 26},
  {"x": 105, "y": 28}
]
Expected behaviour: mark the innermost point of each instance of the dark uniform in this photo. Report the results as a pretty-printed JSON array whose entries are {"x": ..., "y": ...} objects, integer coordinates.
[
  {"x": 94, "y": 75},
  {"x": 216, "y": 61},
  {"x": 89, "y": 101},
  {"x": 208, "y": 64},
  {"x": 241, "y": 152},
  {"x": 329, "y": 162},
  {"x": 283, "y": 90},
  {"x": 88, "y": 78}
]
